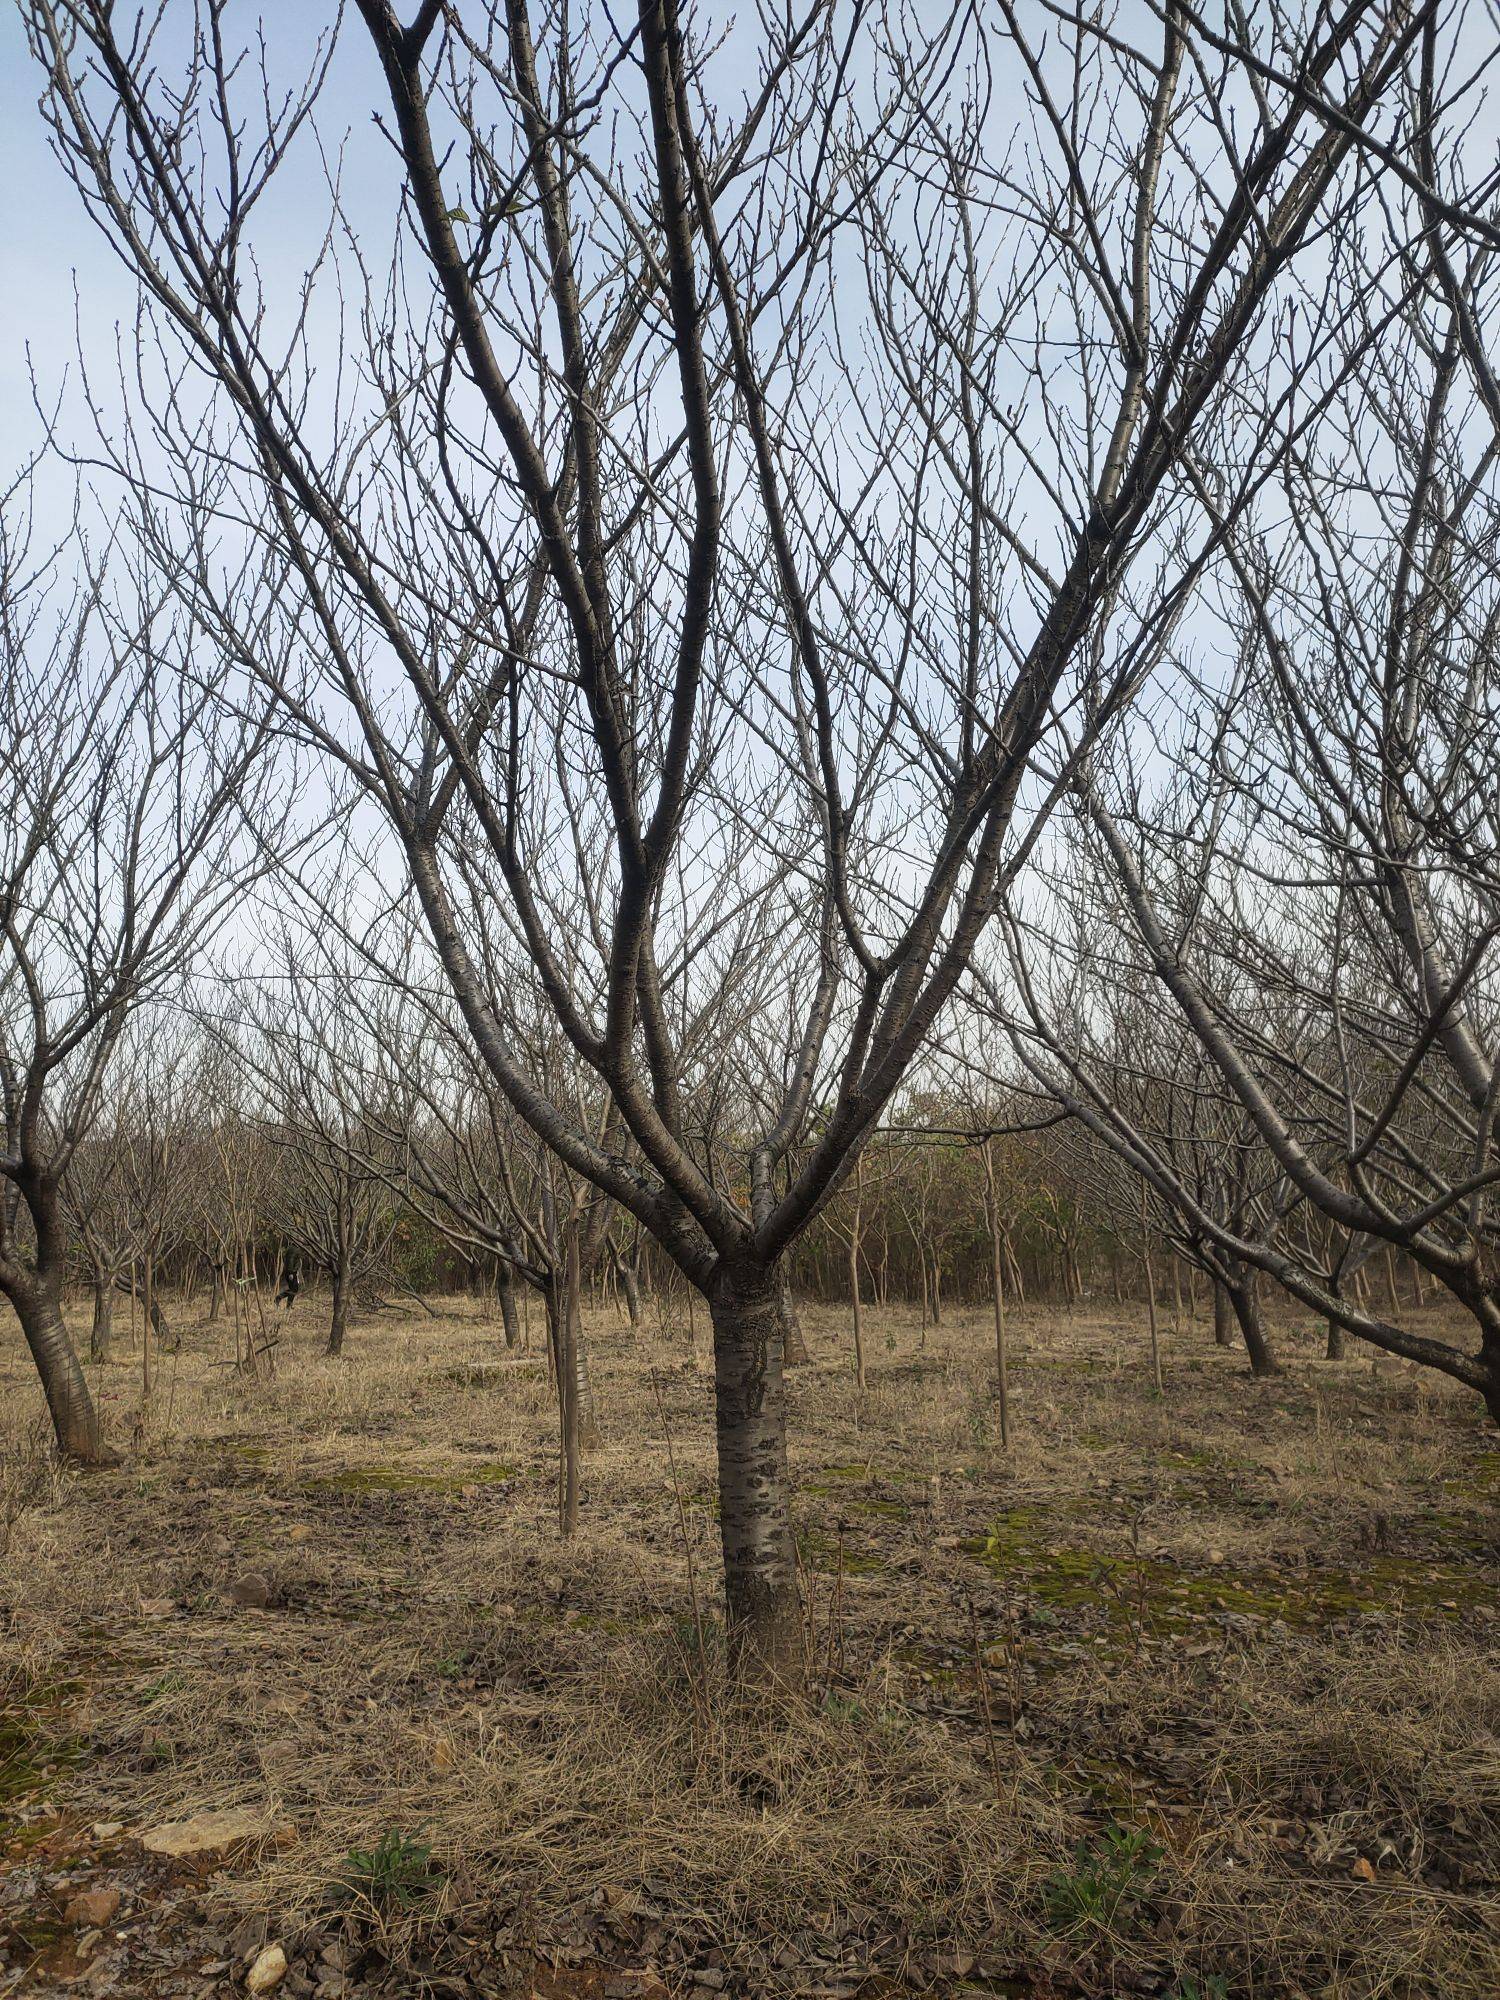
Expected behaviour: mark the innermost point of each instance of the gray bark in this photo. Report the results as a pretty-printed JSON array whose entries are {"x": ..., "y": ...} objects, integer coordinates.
[
  {"x": 75, "y": 1421},
  {"x": 763, "y": 1614}
]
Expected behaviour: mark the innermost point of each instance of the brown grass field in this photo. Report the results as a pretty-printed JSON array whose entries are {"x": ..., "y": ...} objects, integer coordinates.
[{"x": 1192, "y": 1695}]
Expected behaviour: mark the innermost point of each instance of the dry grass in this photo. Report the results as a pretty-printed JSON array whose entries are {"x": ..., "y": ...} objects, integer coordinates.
[{"x": 1250, "y": 1626}]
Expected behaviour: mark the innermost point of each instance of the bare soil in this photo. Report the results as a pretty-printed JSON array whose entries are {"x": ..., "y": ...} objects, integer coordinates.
[{"x": 1192, "y": 1695}]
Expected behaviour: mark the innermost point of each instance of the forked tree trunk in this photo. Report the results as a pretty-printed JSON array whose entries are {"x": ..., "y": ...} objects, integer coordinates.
[
  {"x": 102, "y": 1331},
  {"x": 793, "y": 1342},
  {"x": 75, "y": 1421},
  {"x": 338, "y": 1325},
  {"x": 760, "y": 1576},
  {"x": 505, "y": 1291}
]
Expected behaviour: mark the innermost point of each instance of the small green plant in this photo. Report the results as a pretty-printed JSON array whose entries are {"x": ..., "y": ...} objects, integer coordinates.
[
  {"x": 1214, "y": 1987},
  {"x": 171, "y": 1682},
  {"x": 397, "y": 1870},
  {"x": 842, "y": 1708},
  {"x": 1108, "y": 1876}
]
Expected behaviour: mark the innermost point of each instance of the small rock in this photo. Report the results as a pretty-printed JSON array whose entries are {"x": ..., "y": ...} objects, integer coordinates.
[
  {"x": 107, "y": 1829},
  {"x": 299, "y": 1531},
  {"x": 268, "y": 1970},
  {"x": 213, "y": 1832},
  {"x": 252, "y": 1590},
  {"x": 1216, "y": 1555},
  {"x": 158, "y": 1607},
  {"x": 92, "y": 1908}
]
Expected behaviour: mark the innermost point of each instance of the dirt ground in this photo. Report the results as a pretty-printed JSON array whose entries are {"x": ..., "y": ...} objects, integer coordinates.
[{"x": 1192, "y": 1694}]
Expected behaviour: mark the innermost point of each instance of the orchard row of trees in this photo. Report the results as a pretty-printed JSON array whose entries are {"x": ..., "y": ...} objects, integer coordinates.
[
  {"x": 725, "y": 579},
  {"x": 206, "y": 1169}
]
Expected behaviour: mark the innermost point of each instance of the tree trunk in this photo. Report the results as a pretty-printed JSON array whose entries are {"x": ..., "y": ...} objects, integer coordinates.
[
  {"x": 505, "y": 1292},
  {"x": 631, "y": 1285},
  {"x": 1336, "y": 1343},
  {"x": 167, "y": 1337},
  {"x": 1247, "y": 1312},
  {"x": 102, "y": 1331},
  {"x": 338, "y": 1326},
  {"x": 1223, "y": 1311},
  {"x": 760, "y": 1578},
  {"x": 858, "y": 1313},
  {"x": 1150, "y": 1295},
  {"x": 997, "y": 1280},
  {"x": 567, "y": 1333},
  {"x": 75, "y": 1421},
  {"x": 794, "y": 1352},
  {"x": 583, "y": 1381},
  {"x": 854, "y": 1233}
]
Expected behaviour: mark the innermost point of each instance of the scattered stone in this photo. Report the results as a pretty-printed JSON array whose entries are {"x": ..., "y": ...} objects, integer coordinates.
[
  {"x": 158, "y": 1607},
  {"x": 213, "y": 1832},
  {"x": 107, "y": 1829},
  {"x": 268, "y": 1970},
  {"x": 93, "y": 1908},
  {"x": 299, "y": 1531},
  {"x": 252, "y": 1590}
]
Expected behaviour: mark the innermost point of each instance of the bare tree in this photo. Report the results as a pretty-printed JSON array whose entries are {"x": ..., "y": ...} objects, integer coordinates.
[
  {"x": 766, "y": 465},
  {"x": 1310, "y": 875},
  {"x": 120, "y": 850},
  {"x": 326, "y": 1112},
  {"x": 127, "y": 1195}
]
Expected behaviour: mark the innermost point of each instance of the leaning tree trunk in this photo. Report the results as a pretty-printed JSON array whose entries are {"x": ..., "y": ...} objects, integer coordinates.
[
  {"x": 102, "y": 1331},
  {"x": 75, "y": 1421},
  {"x": 1247, "y": 1312},
  {"x": 338, "y": 1325},
  {"x": 760, "y": 1574},
  {"x": 505, "y": 1291}
]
